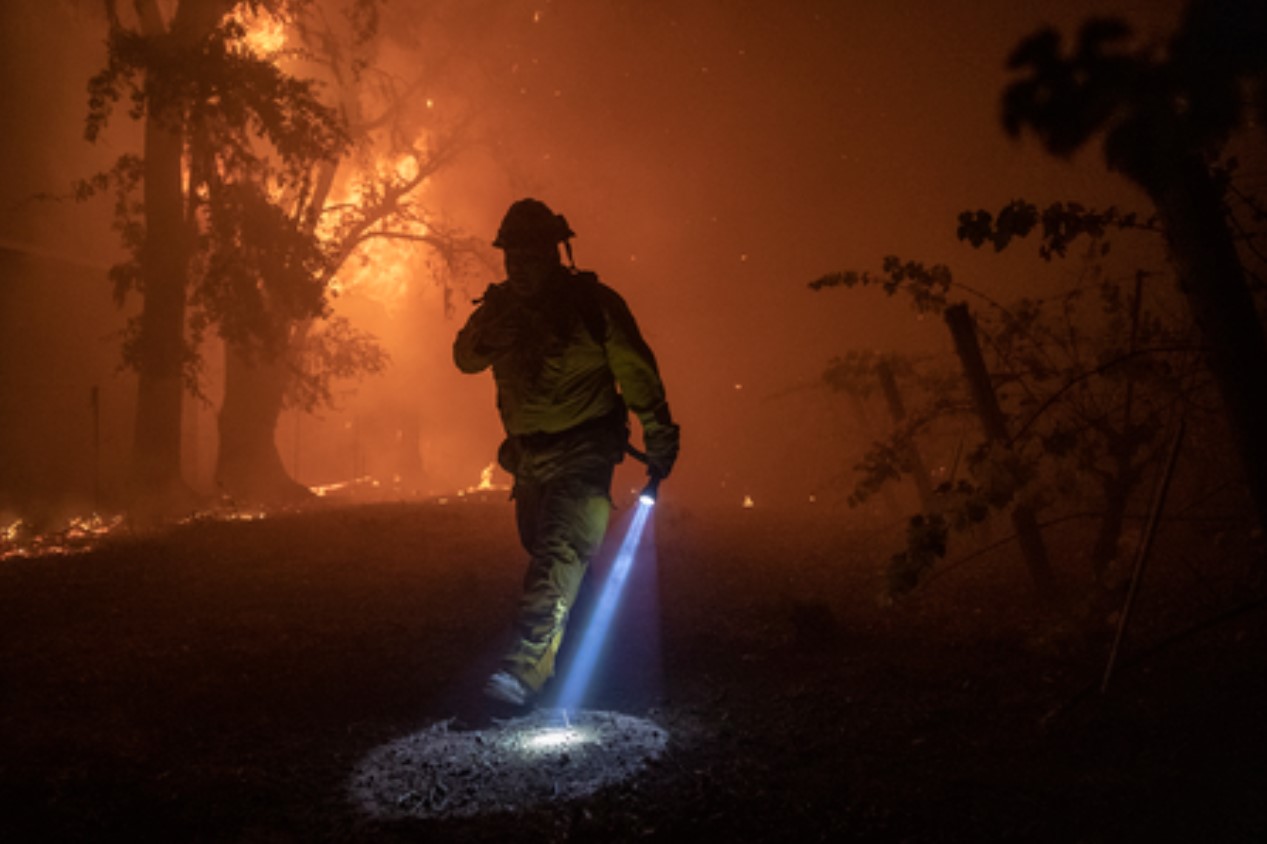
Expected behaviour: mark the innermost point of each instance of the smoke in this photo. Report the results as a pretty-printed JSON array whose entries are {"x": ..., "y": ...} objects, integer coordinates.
[{"x": 713, "y": 157}]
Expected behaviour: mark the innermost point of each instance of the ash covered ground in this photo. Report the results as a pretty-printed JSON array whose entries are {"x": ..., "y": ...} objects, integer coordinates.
[{"x": 316, "y": 676}]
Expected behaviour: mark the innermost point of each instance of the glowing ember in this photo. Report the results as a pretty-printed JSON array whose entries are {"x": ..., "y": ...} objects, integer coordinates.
[
  {"x": 79, "y": 535},
  {"x": 324, "y": 490},
  {"x": 485, "y": 485},
  {"x": 748, "y": 503}
]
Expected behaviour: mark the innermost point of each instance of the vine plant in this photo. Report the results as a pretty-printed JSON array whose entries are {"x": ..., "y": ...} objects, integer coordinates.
[{"x": 1087, "y": 378}]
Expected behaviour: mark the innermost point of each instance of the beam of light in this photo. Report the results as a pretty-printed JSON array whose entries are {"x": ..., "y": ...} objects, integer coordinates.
[{"x": 595, "y": 635}]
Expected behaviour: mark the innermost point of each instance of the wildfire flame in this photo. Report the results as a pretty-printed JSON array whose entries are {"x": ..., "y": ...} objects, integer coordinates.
[
  {"x": 381, "y": 270},
  {"x": 383, "y": 265},
  {"x": 79, "y": 535},
  {"x": 265, "y": 32},
  {"x": 485, "y": 485},
  {"x": 362, "y": 483}
]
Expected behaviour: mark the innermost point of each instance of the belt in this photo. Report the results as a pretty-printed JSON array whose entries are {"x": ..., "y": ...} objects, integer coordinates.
[{"x": 541, "y": 439}]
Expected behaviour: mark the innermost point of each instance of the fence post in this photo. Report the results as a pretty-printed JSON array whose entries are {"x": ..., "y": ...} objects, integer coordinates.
[{"x": 964, "y": 333}]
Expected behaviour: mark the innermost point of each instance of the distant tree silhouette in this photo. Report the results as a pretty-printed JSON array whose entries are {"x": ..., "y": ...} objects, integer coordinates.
[{"x": 1163, "y": 120}]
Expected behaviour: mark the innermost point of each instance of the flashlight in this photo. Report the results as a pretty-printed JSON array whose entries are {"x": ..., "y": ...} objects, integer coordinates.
[{"x": 650, "y": 491}]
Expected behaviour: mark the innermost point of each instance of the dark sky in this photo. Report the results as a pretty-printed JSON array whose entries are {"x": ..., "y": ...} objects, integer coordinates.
[{"x": 713, "y": 157}]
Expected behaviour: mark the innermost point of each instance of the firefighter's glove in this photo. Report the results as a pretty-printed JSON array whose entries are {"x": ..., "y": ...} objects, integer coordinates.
[
  {"x": 662, "y": 442},
  {"x": 498, "y": 321}
]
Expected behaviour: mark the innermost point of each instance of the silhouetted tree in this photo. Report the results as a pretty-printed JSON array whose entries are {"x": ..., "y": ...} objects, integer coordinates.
[
  {"x": 236, "y": 230},
  {"x": 1163, "y": 121},
  {"x": 205, "y": 221}
]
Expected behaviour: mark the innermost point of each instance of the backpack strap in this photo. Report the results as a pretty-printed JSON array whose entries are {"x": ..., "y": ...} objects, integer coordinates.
[{"x": 585, "y": 297}]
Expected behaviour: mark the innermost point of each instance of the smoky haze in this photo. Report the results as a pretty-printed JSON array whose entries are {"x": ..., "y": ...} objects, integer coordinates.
[{"x": 713, "y": 158}]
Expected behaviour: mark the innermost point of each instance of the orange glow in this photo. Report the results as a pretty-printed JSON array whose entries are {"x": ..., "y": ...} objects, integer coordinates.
[
  {"x": 79, "y": 535},
  {"x": 383, "y": 264},
  {"x": 380, "y": 269},
  {"x": 265, "y": 32},
  {"x": 324, "y": 490},
  {"x": 485, "y": 485}
]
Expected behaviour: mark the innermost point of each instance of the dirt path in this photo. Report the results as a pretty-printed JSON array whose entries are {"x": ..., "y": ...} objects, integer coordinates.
[{"x": 225, "y": 681}]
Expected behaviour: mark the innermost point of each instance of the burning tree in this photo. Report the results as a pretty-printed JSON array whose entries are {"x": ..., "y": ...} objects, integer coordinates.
[
  {"x": 365, "y": 210},
  {"x": 232, "y": 219}
]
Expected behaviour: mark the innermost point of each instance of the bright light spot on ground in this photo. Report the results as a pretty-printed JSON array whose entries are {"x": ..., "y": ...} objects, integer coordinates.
[
  {"x": 554, "y": 738},
  {"x": 523, "y": 763},
  {"x": 748, "y": 503}
]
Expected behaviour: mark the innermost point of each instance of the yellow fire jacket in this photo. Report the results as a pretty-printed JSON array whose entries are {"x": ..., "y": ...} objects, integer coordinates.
[{"x": 560, "y": 357}]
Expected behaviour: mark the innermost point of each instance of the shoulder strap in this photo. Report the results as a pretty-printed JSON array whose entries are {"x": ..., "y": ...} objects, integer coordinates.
[{"x": 585, "y": 296}]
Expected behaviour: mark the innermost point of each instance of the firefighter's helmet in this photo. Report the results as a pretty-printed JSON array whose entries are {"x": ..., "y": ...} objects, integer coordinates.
[{"x": 530, "y": 223}]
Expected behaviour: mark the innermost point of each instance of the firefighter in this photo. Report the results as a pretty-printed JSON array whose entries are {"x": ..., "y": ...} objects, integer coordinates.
[{"x": 569, "y": 364}]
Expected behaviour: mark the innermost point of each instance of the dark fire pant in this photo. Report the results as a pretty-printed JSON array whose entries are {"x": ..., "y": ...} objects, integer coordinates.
[{"x": 562, "y": 503}]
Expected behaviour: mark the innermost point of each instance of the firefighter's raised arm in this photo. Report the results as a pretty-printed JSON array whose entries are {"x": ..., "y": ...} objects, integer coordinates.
[{"x": 490, "y": 331}]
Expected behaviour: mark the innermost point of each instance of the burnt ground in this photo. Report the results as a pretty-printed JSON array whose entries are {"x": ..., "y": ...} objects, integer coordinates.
[{"x": 224, "y": 681}]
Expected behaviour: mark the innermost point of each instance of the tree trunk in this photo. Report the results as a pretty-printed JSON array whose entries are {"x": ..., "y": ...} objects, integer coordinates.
[
  {"x": 161, "y": 342},
  {"x": 864, "y": 423},
  {"x": 1117, "y": 495},
  {"x": 248, "y": 466},
  {"x": 897, "y": 412},
  {"x": 157, "y": 486},
  {"x": 408, "y": 457},
  {"x": 1213, "y": 280}
]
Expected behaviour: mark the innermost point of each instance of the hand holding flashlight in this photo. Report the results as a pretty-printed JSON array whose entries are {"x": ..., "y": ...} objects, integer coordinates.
[{"x": 651, "y": 490}]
